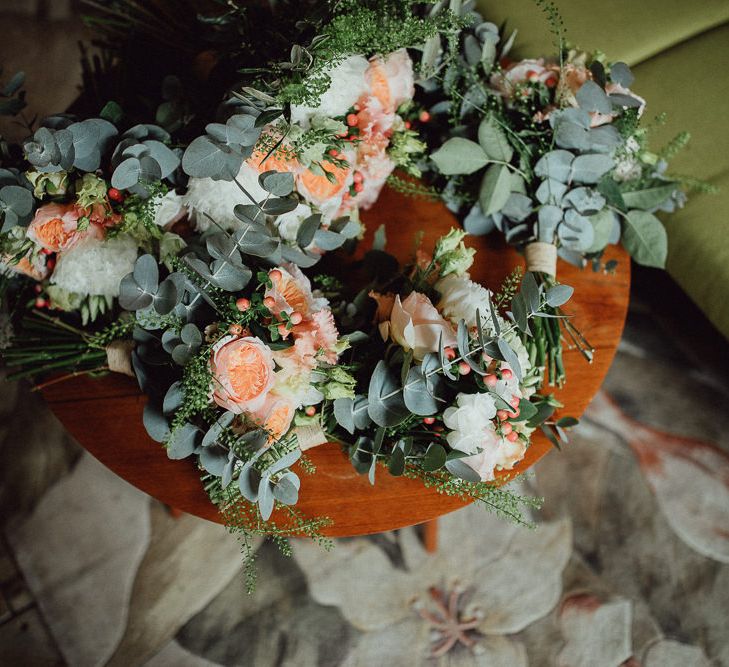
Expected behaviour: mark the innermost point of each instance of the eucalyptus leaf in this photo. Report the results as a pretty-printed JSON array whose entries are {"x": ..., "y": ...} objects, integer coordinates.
[
  {"x": 386, "y": 406},
  {"x": 418, "y": 399},
  {"x": 495, "y": 189},
  {"x": 459, "y": 156},
  {"x": 462, "y": 470},
  {"x": 649, "y": 198},
  {"x": 558, "y": 295},
  {"x": 435, "y": 457},
  {"x": 644, "y": 237},
  {"x": 493, "y": 141},
  {"x": 183, "y": 441},
  {"x": 265, "y": 498}
]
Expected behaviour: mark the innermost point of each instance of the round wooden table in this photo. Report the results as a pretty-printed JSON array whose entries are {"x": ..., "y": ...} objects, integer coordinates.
[{"x": 105, "y": 414}]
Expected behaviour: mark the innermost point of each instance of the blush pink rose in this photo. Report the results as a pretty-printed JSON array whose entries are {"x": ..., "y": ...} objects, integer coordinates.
[
  {"x": 55, "y": 227},
  {"x": 416, "y": 325},
  {"x": 523, "y": 72},
  {"x": 275, "y": 416},
  {"x": 243, "y": 371},
  {"x": 374, "y": 165},
  {"x": 391, "y": 79}
]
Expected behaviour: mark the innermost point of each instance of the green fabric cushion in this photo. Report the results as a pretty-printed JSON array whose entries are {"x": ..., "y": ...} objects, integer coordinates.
[
  {"x": 683, "y": 70},
  {"x": 629, "y": 30}
]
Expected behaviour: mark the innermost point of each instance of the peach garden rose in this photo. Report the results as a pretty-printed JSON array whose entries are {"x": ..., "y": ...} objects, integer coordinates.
[
  {"x": 55, "y": 227},
  {"x": 243, "y": 373}
]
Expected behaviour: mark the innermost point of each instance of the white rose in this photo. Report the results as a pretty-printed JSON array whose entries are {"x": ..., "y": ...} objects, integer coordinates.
[
  {"x": 169, "y": 209},
  {"x": 461, "y": 298},
  {"x": 470, "y": 422},
  {"x": 289, "y": 223},
  {"x": 94, "y": 266},
  {"x": 347, "y": 85},
  {"x": 217, "y": 199}
]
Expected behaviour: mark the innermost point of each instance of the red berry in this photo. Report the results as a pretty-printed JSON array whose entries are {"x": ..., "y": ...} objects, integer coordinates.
[
  {"x": 551, "y": 82},
  {"x": 513, "y": 436},
  {"x": 333, "y": 152},
  {"x": 51, "y": 263},
  {"x": 358, "y": 187},
  {"x": 424, "y": 116},
  {"x": 464, "y": 368},
  {"x": 296, "y": 317},
  {"x": 506, "y": 374},
  {"x": 115, "y": 195},
  {"x": 310, "y": 411},
  {"x": 490, "y": 380},
  {"x": 450, "y": 353},
  {"x": 506, "y": 428},
  {"x": 352, "y": 120},
  {"x": 428, "y": 420},
  {"x": 357, "y": 177},
  {"x": 408, "y": 124},
  {"x": 502, "y": 415},
  {"x": 40, "y": 303},
  {"x": 243, "y": 304}
]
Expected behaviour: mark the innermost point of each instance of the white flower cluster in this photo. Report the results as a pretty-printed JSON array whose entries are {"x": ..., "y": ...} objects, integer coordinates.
[{"x": 95, "y": 267}]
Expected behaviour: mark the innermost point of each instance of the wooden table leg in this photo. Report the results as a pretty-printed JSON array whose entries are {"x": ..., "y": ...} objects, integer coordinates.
[{"x": 430, "y": 536}]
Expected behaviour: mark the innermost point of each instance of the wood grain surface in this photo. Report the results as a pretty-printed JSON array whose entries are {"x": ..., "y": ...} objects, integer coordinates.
[{"x": 105, "y": 415}]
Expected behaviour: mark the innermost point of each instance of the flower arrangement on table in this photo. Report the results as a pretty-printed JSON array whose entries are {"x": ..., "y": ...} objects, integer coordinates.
[
  {"x": 552, "y": 154},
  {"x": 177, "y": 251}
]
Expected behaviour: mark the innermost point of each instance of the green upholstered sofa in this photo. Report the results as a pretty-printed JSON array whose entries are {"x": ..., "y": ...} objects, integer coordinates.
[{"x": 679, "y": 52}]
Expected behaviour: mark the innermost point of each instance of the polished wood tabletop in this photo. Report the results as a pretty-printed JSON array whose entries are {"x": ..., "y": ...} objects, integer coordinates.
[{"x": 105, "y": 414}]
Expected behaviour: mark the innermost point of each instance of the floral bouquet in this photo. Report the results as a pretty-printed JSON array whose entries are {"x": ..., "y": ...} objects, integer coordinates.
[
  {"x": 248, "y": 365},
  {"x": 551, "y": 153}
]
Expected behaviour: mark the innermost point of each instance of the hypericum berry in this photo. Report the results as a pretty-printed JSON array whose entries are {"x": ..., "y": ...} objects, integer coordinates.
[
  {"x": 358, "y": 187},
  {"x": 514, "y": 402},
  {"x": 269, "y": 302},
  {"x": 115, "y": 195},
  {"x": 282, "y": 330},
  {"x": 235, "y": 329},
  {"x": 296, "y": 317},
  {"x": 513, "y": 436},
  {"x": 514, "y": 413},
  {"x": 275, "y": 275},
  {"x": 450, "y": 353},
  {"x": 356, "y": 107},
  {"x": 352, "y": 119},
  {"x": 506, "y": 428},
  {"x": 506, "y": 374},
  {"x": 41, "y": 303},
  {"x": 490, "y": 380},
  {"x": 243, "y": 304},
  {"x": 408, "y": 124},
  {"x": 464, "y": 368},
  {"x": 424, "y": 116},
  {"x": 333, "y": 152},
  {"x": 357, "y": 177},
  {"x": 502, "y": 415},
  {"x": 310, "y": 411},
  {"x": 51, "y": 263},
  {"x": 429, "y": 420},
  {"x": 550, "y": 83}
]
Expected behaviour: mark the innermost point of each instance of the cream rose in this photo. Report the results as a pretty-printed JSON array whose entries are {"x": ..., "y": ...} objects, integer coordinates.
[
  {"x": 243, "y": 373},
  {"x": 416, "y": 325}
]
